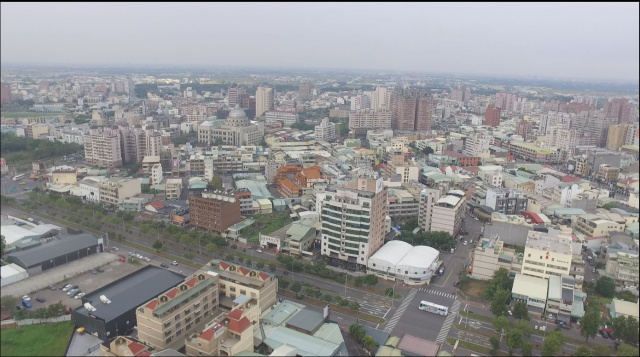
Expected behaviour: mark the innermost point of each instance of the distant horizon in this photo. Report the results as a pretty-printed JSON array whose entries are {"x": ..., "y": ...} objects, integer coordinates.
[{"x": 39, "y": 65}]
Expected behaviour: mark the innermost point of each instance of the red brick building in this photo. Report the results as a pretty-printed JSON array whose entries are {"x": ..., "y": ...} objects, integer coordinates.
[{"x": 492, "y": 116}]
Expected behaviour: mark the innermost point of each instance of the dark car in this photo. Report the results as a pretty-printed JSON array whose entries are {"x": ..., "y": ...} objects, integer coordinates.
[
  {"x": 609, "y": 334},
  {"x": 603, "y": 334},
  {"x": 26, "y": 304},
  {"x": 164, "y": 265},
  {"x": 40, "y": 300},
  {"x": 457, "y": 283},
  {"x": 100, "y": 270},
  {"x": 18, "y": 307},
  {"x": 93, "y": 271},
  {"x": 591, "y": 263},
  {"x": 51, "y": 287}
]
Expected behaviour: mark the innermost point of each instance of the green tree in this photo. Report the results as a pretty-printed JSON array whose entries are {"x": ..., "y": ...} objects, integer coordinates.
[
  {"x": 602, "y": 350},
  {"x": 371, "y": 279},
  {"x": 296, "y": 287},
  {"x": 8, "y": 301},
  {"x": 283, "y": 284},
  {"x": 590, "y": 323},
  {"x": 500, "y": 323},
  {"x": 157, "y": 245},
  {"x": 495, "y": 345},
  {"x": 627, "y": 350},
  {"x": 626, "y": 328},
  {"x": 500, "y": 302},
  {"x": 527, "y": 349},
  {"x": 2, "y": 245},
  {"x": 272, "y": 267},
  {"x": 582, "y": 351},
  {"x": 211, "y": 248},
  {"x": 259, "y": 265},
  {"x": 499, "y": 281},
  {"x": 515, "y": 339},
  {"x": 327, "y": 298},
  {"x": 344, "y": 303},
  {"x": 524, "y": 326},
  {"x": 369, "y": 343},
  {"x": 355, "y": 306},
  {"x": 552, "y": 343},
  {"x": 520, "y": 310},
  {"x": 428, "y": 150},
  {"x": 357, "y": 331},
  {"x": 605, "y": 286}
]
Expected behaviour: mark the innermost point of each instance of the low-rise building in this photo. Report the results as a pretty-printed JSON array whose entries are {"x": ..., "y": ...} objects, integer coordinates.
[
  {"x": 531, "y": 290},
  {"x": 548, "y": 252},
  {"x": 448, "y": 212},
  {"x": 400, "y": 261},
  {"x": 491, "y": 255},
  {"x": 560, "y": 297},
  {"x": 592, "y": 225},
  {"x": 623, "y": 308},
  {"x": 173, "y": 189},
  {"x": 115, "y": 189},
  {"x": 622, "y": 266},
  {"x": 215, "y": 211}
]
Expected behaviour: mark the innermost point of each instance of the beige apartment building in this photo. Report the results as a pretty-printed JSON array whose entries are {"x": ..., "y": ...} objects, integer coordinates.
[
  {"x": 167, "y": 320},
  {"x": 369, "y": 119},
  {"x": 616, "y": 136},
  {"x": 237, "y": 280},
  {"x": 173, "y": 189},
  {"x": 548, "y": 253},
  {"x": 36, "y": 130},
  {"x": 229, "y": 336},
  {"x": 491, "y": 255},
  {"x": 114, "y": 190},
  {"x": 592, "y": 225},
  {"x": 102, "y": 148},
  {"x": 447, "y": 213},
  {"x": 264, "y": 100},
  {"x": 623, "y": 267}
]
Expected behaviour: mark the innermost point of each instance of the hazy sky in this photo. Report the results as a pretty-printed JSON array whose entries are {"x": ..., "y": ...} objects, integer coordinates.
[{"x": 588, "y": 40}]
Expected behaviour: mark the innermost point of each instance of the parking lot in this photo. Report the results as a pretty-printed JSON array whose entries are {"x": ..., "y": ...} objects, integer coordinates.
[{"x": 87, "y": 282}]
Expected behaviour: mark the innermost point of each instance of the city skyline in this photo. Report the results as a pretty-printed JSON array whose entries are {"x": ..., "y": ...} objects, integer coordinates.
[{"x": 582, "y": 41}]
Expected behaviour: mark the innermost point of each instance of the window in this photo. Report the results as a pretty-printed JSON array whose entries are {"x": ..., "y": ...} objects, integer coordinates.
[{"x": 177, "y": 317}]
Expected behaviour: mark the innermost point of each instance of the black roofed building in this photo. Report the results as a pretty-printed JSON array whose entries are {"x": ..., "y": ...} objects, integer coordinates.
[
  {"x": 111, "y": 310},
  {"x": 66, "y": 249}
]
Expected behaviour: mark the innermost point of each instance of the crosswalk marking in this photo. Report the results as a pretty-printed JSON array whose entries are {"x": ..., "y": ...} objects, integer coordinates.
[
  {"x": 398, "y": 314},
  {"x": 444, "y": 331},
  {"x": 439, "y": 293}
]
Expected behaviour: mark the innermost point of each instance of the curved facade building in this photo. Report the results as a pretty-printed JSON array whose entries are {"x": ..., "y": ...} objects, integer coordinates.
[{"x": 402, "y": 262}]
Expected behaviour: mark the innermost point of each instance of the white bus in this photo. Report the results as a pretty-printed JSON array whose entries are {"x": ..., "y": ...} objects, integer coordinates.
[
  {"x": 18, "y": 177},
  {"x": 431, "y": 307}
]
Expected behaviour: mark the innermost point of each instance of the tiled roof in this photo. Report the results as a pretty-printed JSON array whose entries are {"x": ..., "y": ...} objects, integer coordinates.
[
  {"x": 239, "y": 326},
  {"x": 135, "y": 347},
  {"x": 192, "y": 281},
  {"x": 207, "y": 334},
  {"x": 235, "y": 314},
  {"x": 172, "y": 293},
  {"x": 289, "y": 185},
  {"x": 243, "y": 271},
  {"x": 156, "y": 204},
  {"x": 224, "y": 265},
  {"x": 569, "y": 178},
  {"x": 263, "y": 276},
  {"x": 312, "y": 172},
  {"x": 152, "y": 304}
]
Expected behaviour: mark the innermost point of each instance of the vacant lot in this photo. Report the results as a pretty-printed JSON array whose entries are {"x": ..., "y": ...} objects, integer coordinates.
[
  {"x": 268, "y": 223},
  {"x": 36, "y": 340},
  {"x": 473, "y": 287}
]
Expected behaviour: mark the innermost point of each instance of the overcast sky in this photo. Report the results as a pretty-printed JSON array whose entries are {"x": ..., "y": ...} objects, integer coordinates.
[{"x": 588, "y": 40}]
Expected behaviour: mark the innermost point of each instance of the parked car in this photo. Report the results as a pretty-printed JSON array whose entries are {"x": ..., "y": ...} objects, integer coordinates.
[
  {"x": 18, "y": 307},
  {"x": 26, "y": 304},
  {"x": 66, "y": 287},
  {"x": 465, "y": 243},
  {"x": 164, "y": 265},
  {"x": 603, "y": 334},
  {"x": 100, "y": 270},
  {"x": 41, "y": 300},
  {"x": 116, "y": 249},
  {"x": 72, "y": 292},
  {"x": 147, "y": 259},
  {"x": 457, "y": 283},
  {"x": 93, "y": 271},
  {"x": 174, "y": 263},
  {"x": 79, "y": 295},
  {"x": 131, "y": 254},
  {"x": 259, "y": 250},
  {"x": 76, "y": 294},
  {"x": 51, "y": 287},
  {"x": 26, "y": 298}
]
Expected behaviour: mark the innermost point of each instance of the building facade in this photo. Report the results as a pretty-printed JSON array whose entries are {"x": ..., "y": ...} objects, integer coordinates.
[{"x": 215, "y": 211}]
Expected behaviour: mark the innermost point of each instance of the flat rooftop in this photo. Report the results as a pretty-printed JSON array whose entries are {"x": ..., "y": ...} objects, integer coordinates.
[{"x": 129, "y": 292}]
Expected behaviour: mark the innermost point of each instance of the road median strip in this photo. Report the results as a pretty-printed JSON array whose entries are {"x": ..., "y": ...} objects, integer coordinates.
[{"x": 336, "y": 308}]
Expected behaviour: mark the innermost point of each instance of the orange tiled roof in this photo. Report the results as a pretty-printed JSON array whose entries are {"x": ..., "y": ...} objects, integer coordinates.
[
  {"x": 235, "y": 314},
  {"x": 192, "y": 282},
  {"x": 152, "y": 304},
  {"x": 239, "y": 326},
  {"x": 207, "y": 335},
  {"x": 135, "y": 347},
  {"x": 312, "y": 172},
  {"x": 263, "y": 276},
  {"x": 289, "y": 185},
  {"x": 244, "y": 271},
  {"x": 224, "y": 265},
  {"x": 172, "y": 293}
]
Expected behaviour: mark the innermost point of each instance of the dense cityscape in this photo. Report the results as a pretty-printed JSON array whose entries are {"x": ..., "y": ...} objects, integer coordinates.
[{"x": 219, "y": 210}]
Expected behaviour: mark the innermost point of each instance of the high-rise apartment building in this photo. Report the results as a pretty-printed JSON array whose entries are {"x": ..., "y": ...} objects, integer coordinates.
[
  {"x": 618, "y": 108},
  {"x": 102, "y": 148},
  {"x": 616, "y": 136},
  {"x": 370, "y": 119},
  {"x": 477, "y": 145},
  {"x": 492, "y": 116},
  {"x": 380, "y": 99},
  {"x": 153, "y": 145},
  {"x": 403, "y": 168},
  {"x": 505, "y": 101},
  {"x": 631, "y": 138},
  {"x": 460, "y": 94},
  {"x": 215, "y": 211},
  {"x": 264, "y": 100},
  {"x": 305, "y": 91},
  {"x": 5, "y": 93},
  {"x": 326, "y": 131},
  {"x": 360, "y": 102},
  {"x": 353, "y": 222},
  {"x": 411, "y": 111},
  {"x": 235, "y": 95},
  {"x": 525, "y": 129}
]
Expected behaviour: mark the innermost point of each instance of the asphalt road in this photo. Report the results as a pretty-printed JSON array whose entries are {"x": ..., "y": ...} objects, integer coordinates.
[{"x": 7, "y": 186}]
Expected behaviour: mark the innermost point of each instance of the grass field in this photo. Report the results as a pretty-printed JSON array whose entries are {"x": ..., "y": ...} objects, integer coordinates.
[
  {"x": 36, "y": 340},
  {"x": 473, "y": 287},
  {"x": 268, "y": 223},
  {"x": 27, "y": 115}
]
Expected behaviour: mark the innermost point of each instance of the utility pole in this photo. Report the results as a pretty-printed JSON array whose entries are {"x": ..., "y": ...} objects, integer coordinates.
[{"x": 346, "y": 276}]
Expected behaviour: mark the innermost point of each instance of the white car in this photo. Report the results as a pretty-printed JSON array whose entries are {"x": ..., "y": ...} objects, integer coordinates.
[
  {"x": 26, "y": 298},
  {"x": 116, "y": 249},
  {"x": 66, "y": 287},
  {"x": 259, "y": 250},
  {"x": 139, "y": 256},
  {"x": 147, "y": 259},
  {"x": 465, "y": 243},
  {"x": 174, "y": 263},
  {"x": 78, "y": 296}
]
